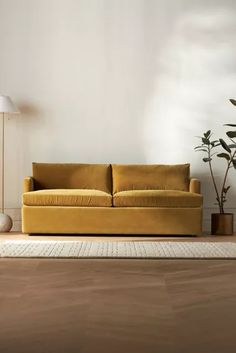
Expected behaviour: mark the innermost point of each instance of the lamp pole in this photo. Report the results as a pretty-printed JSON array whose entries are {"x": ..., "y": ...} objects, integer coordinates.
[
  {"x": 3, "y": 156},
  {"x": 6, "y": 106}
]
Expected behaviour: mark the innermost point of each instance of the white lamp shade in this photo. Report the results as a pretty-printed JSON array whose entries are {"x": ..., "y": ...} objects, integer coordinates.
[{"x": 7, "y": 106}]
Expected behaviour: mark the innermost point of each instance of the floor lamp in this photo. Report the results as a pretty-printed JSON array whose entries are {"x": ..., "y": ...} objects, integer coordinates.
[{"x": 6, "y": 107}]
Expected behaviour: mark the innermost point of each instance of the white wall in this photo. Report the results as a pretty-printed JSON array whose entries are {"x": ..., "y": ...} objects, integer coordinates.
[{"x": 125, "y": 81}]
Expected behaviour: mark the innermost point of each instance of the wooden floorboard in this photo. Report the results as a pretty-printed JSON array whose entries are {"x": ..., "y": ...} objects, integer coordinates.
[
  {"x": 116, "y": 306},
  {"x": 204, "y": 237}
]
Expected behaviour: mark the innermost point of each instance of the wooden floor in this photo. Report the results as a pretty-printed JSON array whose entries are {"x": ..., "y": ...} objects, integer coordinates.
[
  {"x": 204, "y": 237},
  {"x": 117, "y": 306}
]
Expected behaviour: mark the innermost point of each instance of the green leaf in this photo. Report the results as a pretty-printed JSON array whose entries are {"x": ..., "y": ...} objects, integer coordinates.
[
  {"x": 201, "y": 150},
  {"x": 224, "y": 145},
  {"x": 233, "y": 101},
  {"x": 207, "y": 134},
  {"x": 232, "y": 125},
  {"x": 205, "y": 141},
  {"x": 231, "y": 134},
  {"x": 233, "y": 145},
  {"x": 207, "y": 159},
  {"x": 226, "y": 189},
  {"x": 214, "y": 143},
  {"x": 234, "y": 163},
  {"x": 224, "y": 155}
]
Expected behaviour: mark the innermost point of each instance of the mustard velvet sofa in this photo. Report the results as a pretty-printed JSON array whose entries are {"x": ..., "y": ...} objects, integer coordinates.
[{"x": 111, "y": 199}]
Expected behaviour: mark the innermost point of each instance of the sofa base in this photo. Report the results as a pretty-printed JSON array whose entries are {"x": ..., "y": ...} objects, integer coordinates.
[{"x": 111, "y": 220}]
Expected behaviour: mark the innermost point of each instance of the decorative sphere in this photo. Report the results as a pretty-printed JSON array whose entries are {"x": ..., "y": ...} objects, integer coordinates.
[{"x": 5, "y": 223}]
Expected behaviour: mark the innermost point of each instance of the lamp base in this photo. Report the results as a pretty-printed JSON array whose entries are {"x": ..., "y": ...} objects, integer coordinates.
[{"x": 5, "y": 223}]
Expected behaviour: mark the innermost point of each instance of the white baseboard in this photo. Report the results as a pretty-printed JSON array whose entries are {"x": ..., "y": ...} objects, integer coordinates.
[{"x": 15, "y": 214}]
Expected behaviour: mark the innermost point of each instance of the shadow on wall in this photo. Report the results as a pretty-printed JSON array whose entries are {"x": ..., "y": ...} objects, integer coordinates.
[
  {"x": 113, "y": 76},
  {"x": 29, "y": 111},
  {"x": 32, "y": 119},
  {"x": 196, "y": 73},
  {"x": 191, "y": 92},
  {"x": 133, "y": 61}
]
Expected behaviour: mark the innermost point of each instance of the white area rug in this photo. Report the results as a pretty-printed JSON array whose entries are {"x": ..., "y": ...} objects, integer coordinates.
[{"x": 117, "y": 249}]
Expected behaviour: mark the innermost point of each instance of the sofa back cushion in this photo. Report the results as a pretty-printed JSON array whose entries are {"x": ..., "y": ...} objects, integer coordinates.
[
  {"x": 72, "y": 176},
  {"x": 150, "y": 177}
]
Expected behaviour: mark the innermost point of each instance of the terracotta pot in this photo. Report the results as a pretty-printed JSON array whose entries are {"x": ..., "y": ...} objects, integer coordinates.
[{"x": 222, "y": 224}]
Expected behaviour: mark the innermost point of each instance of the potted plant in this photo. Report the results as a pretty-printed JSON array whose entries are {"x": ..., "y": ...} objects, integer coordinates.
[{"x": 221, "y": 223}]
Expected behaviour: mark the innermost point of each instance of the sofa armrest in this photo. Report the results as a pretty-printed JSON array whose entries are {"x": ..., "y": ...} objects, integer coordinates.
[
  {"x": 195, "y": 186},
  {"x": 28, "y": 184}
]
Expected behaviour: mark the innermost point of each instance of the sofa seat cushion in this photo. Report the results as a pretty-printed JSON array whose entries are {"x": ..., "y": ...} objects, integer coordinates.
[
  {"x": 68, "y": 197},
  {"x": 156, "y": 198}
]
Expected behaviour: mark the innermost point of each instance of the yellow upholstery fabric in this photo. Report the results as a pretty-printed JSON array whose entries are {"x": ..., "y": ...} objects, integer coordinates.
[
  {"x": 28, "y": 184},
  {"x": 150, "y": 177},
  {"x": 156, "y": 198},
  {"x": 76, "y": 199},
  {"x": 72, "y": 176},
  {"x": 195, "y": 186},
  {"x": 111, "y": 220},
  {"x": 69, "y": 197}
]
